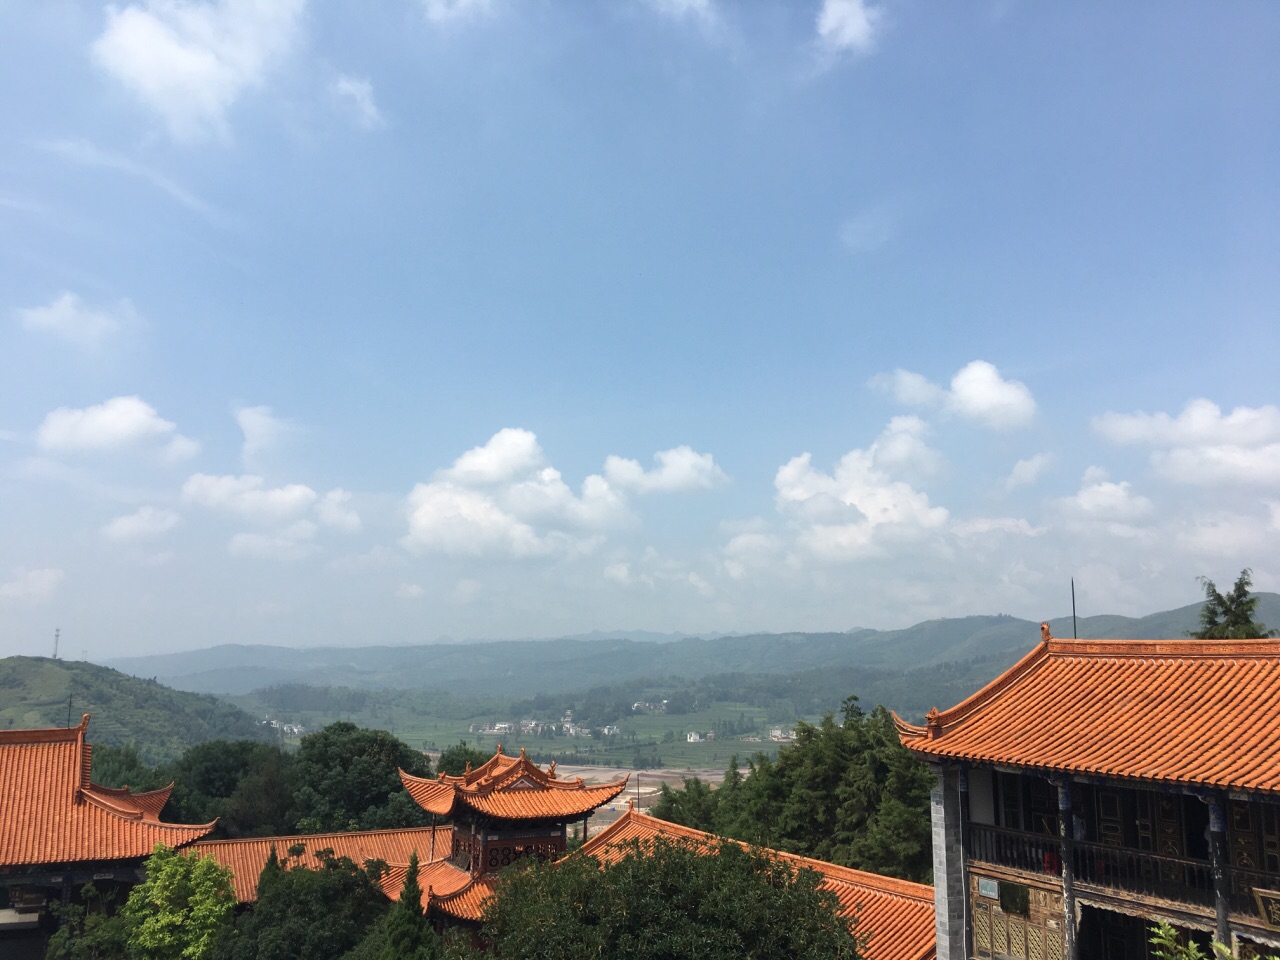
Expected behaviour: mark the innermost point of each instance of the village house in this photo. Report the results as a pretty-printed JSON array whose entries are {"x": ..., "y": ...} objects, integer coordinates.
[{"x": 1098, "y": 785}]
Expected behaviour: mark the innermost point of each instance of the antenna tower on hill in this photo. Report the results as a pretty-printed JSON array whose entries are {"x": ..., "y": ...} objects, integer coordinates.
[{"x": 56, "y": 633}]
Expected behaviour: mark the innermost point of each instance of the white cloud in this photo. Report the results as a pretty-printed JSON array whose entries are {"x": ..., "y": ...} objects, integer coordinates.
[
  {"x": 248, "y": 496},
  {"x": 449, "y": 11},
  {"x": 1027, "y": 471},
  {"x": 847, "y": 26},
  {"x": 453, "y": 519},
  {"x": 262, "y": 431},
  {"x": 1101, "y": 499},
  {"x": 901, "y": 448},
  {"x": 118, "y": 423},
  {"x": 190, "y": 61},
  {"x": 31, "y": 586},
  {"x": 1200, "y": 424},
  {"x": 408, "y": 591},
  {"x": 143, "y": 524},
  {"x": 503, "y": 498},
  {"x": 977, "y": 392},
  {"x": 843, "y": 515},
  {"x": 290, "y": 543},
  {"x": 984, "y": 526},
  {"x": 356, "y": 93},
  {"x": 749, "y": 553},
  {"x": 679, "y": 469},
  {"x": 334, "y": 512},
  {"x": 69, "y": 318},
  {"x": 909, "y": 389},
  {"x": 509, "y": 453},
  {"x": 1201, "y": 445}
]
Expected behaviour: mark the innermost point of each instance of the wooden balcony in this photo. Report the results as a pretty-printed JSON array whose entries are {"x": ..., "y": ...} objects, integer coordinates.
[{"x": 1109, "y": 869}]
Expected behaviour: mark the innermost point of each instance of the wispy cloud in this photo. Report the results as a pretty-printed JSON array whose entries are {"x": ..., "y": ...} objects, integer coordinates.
[
  {"x": 69, "y": 318},
  {"x": 87, "y": 155},
  {"x": 356, "y": 96},
  {"x": 847, "y": 27}
]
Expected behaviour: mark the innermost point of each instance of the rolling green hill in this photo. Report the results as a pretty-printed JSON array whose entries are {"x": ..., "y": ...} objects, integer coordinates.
[{"x": 159, "y": 721}]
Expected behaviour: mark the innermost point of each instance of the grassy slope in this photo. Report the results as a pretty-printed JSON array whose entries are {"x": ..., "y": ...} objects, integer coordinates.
[{"x": 160, "y": 722}]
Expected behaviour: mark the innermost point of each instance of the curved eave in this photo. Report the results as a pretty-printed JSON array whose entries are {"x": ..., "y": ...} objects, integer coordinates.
[
  {"x": 466, "y": 904},
  {"x": 433, "y": 796},
  {"x": 539, "y": 804}
]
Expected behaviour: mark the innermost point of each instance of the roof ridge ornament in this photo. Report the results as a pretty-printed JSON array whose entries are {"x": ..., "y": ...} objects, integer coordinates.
[
  {"x": 1044, "y": 631},
  {"x": 933, "y": 722},
  {"x": 551, "y": 770}
]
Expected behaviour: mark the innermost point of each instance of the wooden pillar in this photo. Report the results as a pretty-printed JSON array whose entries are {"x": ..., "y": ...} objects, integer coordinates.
[
  {"x": 1218, "y": 859},
  {"x": 1065, "y": 844}
]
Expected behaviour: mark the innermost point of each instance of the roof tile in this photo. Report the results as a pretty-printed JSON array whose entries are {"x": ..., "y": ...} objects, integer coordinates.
[{"x": 1167, "y": 711}]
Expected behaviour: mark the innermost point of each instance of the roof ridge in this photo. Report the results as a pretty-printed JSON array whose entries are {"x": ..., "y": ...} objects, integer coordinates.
[{"x": 938, "y": 720}]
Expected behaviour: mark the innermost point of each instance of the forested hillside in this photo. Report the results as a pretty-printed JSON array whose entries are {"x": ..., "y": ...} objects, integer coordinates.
[{"x": 160, "y": 722}]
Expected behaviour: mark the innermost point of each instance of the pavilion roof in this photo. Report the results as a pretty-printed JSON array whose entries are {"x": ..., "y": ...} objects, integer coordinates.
[
  {"x": 247, "y": 857},
  {"x": 896, "y": 916},
  {"x": 511, "y": 788},
  {"x": 1186, "y": 712},
  {"x": 51, "y": 812},
  {"x": 446, "y": 888}
]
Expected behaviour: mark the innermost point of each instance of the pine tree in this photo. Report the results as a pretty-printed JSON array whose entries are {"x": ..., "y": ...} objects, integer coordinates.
[{"x": 407, "y": 936}]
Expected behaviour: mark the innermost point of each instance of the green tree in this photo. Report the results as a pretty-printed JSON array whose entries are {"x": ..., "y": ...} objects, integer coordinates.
[
  {"x": 91, "y": 929},
  {"x": 666, "y": 900},
  {"x": 453, "y": 760},
  {"x": 182, "y": 911},
  {"x": 1230, "y": 616},
  {"x": 305, "y": 914},
  {"x": 344, "y": 778},
  {"x": 406, "y": 935},
  {"x": 845, "y": 792}
]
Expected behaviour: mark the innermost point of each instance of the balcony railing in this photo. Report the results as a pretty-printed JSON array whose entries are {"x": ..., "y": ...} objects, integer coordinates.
[{"x": 1178, "y": 879}]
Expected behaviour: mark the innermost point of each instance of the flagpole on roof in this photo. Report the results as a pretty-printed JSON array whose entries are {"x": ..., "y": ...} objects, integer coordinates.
[{"x": 1074, "y": 634}]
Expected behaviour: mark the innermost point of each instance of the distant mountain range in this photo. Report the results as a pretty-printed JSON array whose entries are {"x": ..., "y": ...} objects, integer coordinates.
[{"x": 525, "y": 667}]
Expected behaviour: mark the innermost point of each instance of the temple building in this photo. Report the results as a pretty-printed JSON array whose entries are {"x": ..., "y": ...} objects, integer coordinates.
[
  {"x": 60, "y": 830},
  {"x": 1099, "y": 785},
  {"x": 502, "y": 811},
  {"x": 896, "y": 916}
]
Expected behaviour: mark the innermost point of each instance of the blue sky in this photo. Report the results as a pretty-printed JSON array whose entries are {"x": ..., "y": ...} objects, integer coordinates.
[{"x": 331, "y": 323}]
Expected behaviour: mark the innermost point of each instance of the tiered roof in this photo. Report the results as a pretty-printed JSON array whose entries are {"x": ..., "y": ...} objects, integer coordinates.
[
  {"x": 1187, "y": 712},
  {"x": 51, "y": 812},
  {"x": 896, "y": 916},
  {"x": 246, "y": 858},
  {"x": 510, "y": 788}
]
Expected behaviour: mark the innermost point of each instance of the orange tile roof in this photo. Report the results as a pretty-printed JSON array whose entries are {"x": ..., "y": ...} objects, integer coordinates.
[
  {"x": 247, "y": 857},
  {"x": 445, "y": 888},
  {"x": 896, "y": 916},
  {"x": 1166, "y": 711},
  {"x": 51, "y": 812},
  {"x": 511, "y": 788}
]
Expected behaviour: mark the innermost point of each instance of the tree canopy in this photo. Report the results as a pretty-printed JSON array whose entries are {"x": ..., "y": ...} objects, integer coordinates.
[
  {"x": 1230, "y": 616},
  {"x": 304, "y": 914},
  {"x": 846, "y": 792},
  {"x": 344, "y": 778},
  {"x": 667, "y": 901},
  {"x": 182, "y": 910}
]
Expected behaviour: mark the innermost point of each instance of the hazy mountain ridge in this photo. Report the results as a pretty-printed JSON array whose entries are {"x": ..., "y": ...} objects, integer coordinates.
[{"x": 512, "y": 667}]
